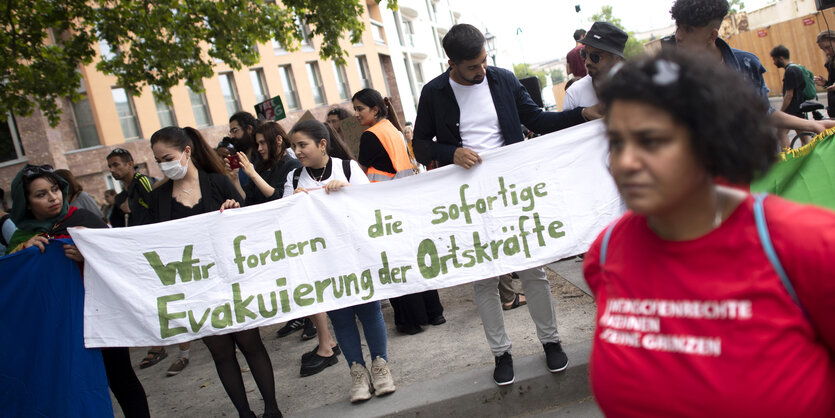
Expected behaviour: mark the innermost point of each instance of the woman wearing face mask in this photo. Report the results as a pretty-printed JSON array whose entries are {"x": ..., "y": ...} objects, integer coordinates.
[
  {"x": 384, "y": 157},
  {"x": 42, "y": 212},
  {"x": 316, "y": 149},
  {"x": 198, "y": 185},
  {"x": 712, "y": 302}
]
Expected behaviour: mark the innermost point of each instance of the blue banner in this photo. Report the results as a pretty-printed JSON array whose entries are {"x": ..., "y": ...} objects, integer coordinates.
[{"x": 44, "y": 368}]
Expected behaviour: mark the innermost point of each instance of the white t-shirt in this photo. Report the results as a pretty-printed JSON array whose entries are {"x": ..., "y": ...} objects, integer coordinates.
[
  {"x": 580, "y": 94},
  {"x": 479, "y": 123},
  {"x": 307, "y": 182}
]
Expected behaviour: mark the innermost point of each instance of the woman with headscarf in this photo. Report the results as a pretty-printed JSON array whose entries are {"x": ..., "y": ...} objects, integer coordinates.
[{"x": 42, "y": 212}]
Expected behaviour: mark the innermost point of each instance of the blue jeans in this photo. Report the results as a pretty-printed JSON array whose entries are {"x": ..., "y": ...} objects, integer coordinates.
[{"x": 348, "y": 335}]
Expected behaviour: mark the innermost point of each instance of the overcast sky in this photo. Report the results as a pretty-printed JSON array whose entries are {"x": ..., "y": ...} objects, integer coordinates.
[{"x": 547, "y": 25}]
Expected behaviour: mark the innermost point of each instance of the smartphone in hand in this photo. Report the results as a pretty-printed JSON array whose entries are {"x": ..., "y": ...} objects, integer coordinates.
[{"x": 234, "y": 161}]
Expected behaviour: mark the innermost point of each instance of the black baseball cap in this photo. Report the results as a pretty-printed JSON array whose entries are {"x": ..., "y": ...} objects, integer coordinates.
[{"x": 606, "y": 36}]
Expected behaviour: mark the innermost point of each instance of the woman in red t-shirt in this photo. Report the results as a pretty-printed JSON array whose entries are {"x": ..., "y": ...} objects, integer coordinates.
[{"x": 693, "y": 318}]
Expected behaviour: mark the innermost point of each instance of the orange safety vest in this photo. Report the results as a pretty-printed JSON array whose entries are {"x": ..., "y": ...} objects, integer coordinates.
[{"x": 395, "y": 146}]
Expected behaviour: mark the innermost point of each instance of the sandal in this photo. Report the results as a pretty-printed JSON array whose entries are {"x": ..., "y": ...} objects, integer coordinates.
[
  {"x": 152, "y": 358},
  {"x": 516, "y": 303}
]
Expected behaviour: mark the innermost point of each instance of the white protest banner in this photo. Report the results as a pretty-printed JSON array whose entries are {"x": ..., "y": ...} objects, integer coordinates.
[{"x": 525, "y": 205}]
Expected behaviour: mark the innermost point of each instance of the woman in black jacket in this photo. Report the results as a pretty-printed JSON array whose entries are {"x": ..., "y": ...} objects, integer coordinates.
[{"x": 197, "y": 185}]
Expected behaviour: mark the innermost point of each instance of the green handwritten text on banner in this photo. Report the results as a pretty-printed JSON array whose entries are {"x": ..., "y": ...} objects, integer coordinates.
[{"x": 525, "y": 205}]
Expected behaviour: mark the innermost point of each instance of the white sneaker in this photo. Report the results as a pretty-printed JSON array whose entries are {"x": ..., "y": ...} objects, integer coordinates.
[
  {"x": 361, "y": 388},
  {"x": 381, "y": 377}
]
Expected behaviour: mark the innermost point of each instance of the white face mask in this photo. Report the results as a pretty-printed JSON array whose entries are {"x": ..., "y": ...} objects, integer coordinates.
[{"x": 173, "y": 169}]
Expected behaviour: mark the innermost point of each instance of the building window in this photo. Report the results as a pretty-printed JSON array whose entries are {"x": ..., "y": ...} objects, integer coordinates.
[
  {"x": 418, "y": 74},
  {"x": 126, "y": 112},
  {"x": 259, "y": 85},
  {"x": 113, "y": 183},
  {"x": 165, "y": 114},
  {"x": 315, "y": 79},
  {"x": 342, "y": 81},
  {"x": 88, "y": 136},
  {"x": 304, "y": 29},
  {"x": 200, "y": 108},
  {"x": 230, "y": 93},
  {"x": 291, "y": 95},
  {"x": 351, "y": 36},
  {"x": 365, "y": 75},
  {"x": 10, "y": 147},
  {"x": 409, "y": 31},
  {"x": 278, "y": 49},
  {"x": 410, "y": 75}
]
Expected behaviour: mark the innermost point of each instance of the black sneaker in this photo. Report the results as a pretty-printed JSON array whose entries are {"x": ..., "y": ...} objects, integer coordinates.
[
  {"x": 555, "y": 358},
  {"x": 290, "y": 328},
  {"x": 309, "y": 332},
  {"x": 503, "y": 373}
]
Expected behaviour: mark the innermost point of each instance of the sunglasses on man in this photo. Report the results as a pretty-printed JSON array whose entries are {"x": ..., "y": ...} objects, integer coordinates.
[{"x": 594, "y": 56}]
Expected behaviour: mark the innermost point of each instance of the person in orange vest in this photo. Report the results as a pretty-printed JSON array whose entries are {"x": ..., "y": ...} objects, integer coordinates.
[
  {"x": 383, "y": 154},
  {"x": 384, "y": 157}
]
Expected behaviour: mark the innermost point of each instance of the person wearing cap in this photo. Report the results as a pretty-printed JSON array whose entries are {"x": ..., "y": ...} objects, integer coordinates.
[
  {"x": 826, "y": 42},
  {"x": 604, "y": 44}
]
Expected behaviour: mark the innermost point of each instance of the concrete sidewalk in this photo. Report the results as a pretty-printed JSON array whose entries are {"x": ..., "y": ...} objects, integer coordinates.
[
  {"x": 473, "y": 393},
  {"x": 444, "y": 371}
]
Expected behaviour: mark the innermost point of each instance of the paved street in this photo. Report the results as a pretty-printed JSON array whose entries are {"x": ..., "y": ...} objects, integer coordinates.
[{"x": 444, "y": 351}]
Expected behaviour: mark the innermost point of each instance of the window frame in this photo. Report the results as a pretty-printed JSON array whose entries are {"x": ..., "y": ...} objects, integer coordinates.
[
  {"x": 288, "y": 79},
  {"x": 133, "y": 113}
]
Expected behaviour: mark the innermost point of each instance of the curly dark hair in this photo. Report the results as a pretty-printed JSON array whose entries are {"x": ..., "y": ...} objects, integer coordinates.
[
  {"x": 727, "y": 120},
  {"x": 698, "y": 13}
]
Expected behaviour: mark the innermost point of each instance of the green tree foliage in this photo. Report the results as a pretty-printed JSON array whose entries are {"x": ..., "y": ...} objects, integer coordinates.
[
  {"x": 605, "y": 15},
  {"x": 521, "y": 71},
  {"x": 557, "y": 76},
  {"x": 633, "y": 46},
  {"x": 156, "y": 43},
  {"x": 735, "y": 6},
  {"x": 524, "y": 71}
]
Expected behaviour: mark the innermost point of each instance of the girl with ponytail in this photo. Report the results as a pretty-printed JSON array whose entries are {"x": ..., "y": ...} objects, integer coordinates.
[
  {"x": 385, "y": 157},
  {"x": 198, "y": 185}
]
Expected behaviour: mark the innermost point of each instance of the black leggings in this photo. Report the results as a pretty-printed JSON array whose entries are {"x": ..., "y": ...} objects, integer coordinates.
[
  {"x": 222, "y": 348},
  {"x": 123, "y": 382}
]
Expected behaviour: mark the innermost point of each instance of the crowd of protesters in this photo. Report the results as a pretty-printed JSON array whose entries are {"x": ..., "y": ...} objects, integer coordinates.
[{"x": 679, "y": 124}]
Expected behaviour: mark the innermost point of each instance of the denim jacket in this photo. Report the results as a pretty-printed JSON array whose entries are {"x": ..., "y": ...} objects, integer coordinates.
[
  {"x": 438, "y": 116},
  {"x": 747, "y": 65}
]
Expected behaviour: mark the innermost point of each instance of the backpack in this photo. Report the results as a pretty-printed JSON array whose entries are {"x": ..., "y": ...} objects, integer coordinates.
[
  {"x": 809, "y": 91},
  {"x": 346, "y": 168}
]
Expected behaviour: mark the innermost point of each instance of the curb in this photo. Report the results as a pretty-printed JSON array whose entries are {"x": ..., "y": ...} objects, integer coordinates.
[{"x": 473, "y": 392}]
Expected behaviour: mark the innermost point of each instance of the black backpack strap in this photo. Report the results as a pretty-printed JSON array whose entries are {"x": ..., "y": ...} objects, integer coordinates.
[
  {"x": 296, "y": 174},
  {"x": 346, "y": 168}
]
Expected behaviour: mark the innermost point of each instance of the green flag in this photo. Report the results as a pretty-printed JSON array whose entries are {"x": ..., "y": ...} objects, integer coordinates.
[{"x": 804, "y": 175}]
